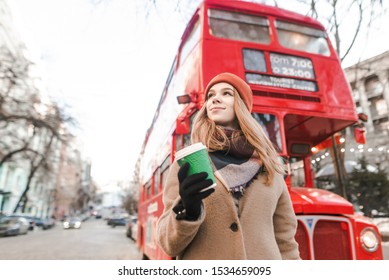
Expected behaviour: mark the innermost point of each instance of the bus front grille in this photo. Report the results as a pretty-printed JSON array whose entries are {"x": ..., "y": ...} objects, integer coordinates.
[{"x": 325, "y": 238}]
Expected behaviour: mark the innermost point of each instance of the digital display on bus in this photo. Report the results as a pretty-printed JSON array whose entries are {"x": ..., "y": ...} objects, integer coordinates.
[
  {"x": 267, "y": 80},
  {"x": 281, "y": 65},
  {"x": 291, "y": 66}
]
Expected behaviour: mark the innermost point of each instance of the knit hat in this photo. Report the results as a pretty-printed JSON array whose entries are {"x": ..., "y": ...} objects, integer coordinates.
[{"x": 240, "y": 85}]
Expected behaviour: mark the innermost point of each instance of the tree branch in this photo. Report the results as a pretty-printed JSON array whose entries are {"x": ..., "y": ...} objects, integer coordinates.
[{"x": 356, "y": 31}]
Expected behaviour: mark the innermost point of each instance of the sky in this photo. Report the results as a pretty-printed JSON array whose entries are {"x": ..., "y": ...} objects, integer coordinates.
[{"x": 108, "y": 60}]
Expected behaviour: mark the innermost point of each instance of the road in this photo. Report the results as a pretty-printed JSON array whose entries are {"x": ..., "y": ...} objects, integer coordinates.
[
  {"x": 385, "y": 249},
  {"x": 94, "y": 241}
]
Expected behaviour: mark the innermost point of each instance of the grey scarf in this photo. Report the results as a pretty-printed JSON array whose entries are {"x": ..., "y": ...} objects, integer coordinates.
[{"x": 239, "y": 164}]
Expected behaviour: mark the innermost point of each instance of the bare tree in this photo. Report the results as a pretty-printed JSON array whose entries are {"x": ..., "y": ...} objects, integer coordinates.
[
  {"x": 36, "y": 160},
  {"x": 28, "y": 124},
  {"x": 131, "y": 200},
  {"x": 346, "y": 20}
]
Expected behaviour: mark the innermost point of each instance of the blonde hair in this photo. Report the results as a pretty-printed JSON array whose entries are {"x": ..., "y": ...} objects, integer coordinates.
[{"x": 213, "y": 136}]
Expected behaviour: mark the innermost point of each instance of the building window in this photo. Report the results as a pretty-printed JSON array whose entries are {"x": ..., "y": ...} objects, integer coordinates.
[
  {"x": 373, "y": 87},
  {"x": 381, "y": 125},
  {"x": 384, "y": 126},
  {"x": 381, "y": 107},
  {"x": 356, "y": 95}
]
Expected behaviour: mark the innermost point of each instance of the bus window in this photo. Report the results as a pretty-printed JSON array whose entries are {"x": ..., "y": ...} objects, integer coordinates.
[
  {"x": 191, "y": 41},
  {"x": 271, "y": 127},
  {"x": 178, "y": 142},
  {"x": 163, "y": 177},
  {"x": 297, "y": 174},
  {"x": 148, "y": 189},
  {"x": 164, "y": 171},
  {"x": 187, "y": 141},
  {"x": 187, "y": 137},
  {"x": 236, "y": 26},
  {"x": 156, "y": 181},
  {"x": 182, "y": 140},
  {"x": 254, "y": 60},
  {"x": 302, "y": 38}
]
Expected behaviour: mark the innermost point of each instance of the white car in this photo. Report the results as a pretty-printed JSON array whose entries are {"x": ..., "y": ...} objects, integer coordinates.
[
  {"x": 72, "y": 223},
  {"x": 13, "y": 226},
  {"x": 383, "y": 227}
]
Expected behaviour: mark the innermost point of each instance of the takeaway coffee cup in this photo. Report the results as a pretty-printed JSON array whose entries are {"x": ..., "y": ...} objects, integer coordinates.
[{"x": 198, "y": 159}]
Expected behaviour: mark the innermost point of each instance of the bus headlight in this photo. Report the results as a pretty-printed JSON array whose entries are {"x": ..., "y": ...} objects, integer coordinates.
[{"x": 369, "y": 239}]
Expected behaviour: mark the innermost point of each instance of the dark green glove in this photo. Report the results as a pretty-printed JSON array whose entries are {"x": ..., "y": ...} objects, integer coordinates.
[{"x": 191, "y": 192}]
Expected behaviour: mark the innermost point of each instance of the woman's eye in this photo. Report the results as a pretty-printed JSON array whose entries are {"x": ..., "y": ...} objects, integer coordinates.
[{"x": 228, "y": 93}]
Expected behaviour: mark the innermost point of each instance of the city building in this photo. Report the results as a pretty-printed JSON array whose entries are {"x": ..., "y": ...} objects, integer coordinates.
[
  {"x": 42, "y": 171},
  {"x": 369, "y": 81},
  {"x": 13, "y": 176}
]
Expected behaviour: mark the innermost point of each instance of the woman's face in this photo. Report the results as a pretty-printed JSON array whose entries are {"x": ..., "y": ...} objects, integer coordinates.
[{"x": 220, "y": 105}]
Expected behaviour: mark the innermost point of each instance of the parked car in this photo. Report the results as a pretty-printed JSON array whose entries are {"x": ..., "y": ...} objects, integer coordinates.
[
  {"x": 73, "y": 222},
  {"x": 85, "y": 216},
  {"x": 13, "y": 226},
  {"x": 50, "y": 222},
  {"x": 44, "y": 223},
  {"x": 98, "y": 215},
  {"x": 29, "y": 218},
  {"x": 117, "y": 221},
  {"x": 132, "y": 228},
  {"x": 383, "y": 227}
]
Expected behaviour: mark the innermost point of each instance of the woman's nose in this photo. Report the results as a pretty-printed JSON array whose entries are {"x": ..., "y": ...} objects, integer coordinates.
[{"x": 215, "y": 99}]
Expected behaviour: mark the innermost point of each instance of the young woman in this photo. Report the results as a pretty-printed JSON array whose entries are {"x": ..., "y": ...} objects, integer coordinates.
[{"x": 249, "y": 214}]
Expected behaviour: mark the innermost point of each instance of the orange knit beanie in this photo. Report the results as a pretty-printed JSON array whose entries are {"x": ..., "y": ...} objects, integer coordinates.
[{"x": 238, "y": 83}]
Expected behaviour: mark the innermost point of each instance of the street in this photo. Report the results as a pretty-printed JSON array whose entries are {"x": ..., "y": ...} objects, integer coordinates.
[
  {"x": 385, "y": 249},
  {"x": 95, "y": 240}
]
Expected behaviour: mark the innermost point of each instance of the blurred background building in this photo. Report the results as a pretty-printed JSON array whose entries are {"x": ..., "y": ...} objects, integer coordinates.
[
  {"x": 42, "y": 171},
  {"x": 369, "y": 80}
]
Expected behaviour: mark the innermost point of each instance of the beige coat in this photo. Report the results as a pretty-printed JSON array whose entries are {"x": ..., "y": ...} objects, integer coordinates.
[{"x": 262, "y": 228}]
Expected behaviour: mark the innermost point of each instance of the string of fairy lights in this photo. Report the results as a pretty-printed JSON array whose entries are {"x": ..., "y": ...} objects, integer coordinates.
[{"x": 359, "y": 149}]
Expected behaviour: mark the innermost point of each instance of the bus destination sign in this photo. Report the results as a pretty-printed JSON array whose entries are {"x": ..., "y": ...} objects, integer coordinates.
[
  {"x": 273, "y": 81},
  {"x": 291, "y": 66}
]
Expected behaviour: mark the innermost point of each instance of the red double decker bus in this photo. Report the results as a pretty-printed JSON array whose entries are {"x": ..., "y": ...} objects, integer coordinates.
[{"x": 301, "y": 98}]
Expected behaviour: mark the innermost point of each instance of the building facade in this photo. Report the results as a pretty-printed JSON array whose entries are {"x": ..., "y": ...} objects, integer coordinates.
[
  {"x": 13, "y": 176},
  {"x": 369, "y": 81},
  {"x": 40, "y": 174}
]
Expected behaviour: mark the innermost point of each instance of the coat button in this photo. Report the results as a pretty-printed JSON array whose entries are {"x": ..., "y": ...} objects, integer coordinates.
[{"x": 234, "y": 227}]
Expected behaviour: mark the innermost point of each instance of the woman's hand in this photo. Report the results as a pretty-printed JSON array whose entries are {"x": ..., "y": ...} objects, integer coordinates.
[{"x": 192, "y": 190}]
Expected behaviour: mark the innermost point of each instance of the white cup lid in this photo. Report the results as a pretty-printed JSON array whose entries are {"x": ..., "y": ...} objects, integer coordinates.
[{"x": 189, "y": 150}]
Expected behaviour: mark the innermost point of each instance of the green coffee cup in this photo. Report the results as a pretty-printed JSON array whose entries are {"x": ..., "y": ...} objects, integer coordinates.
[{"x": 198, "y": 158}]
